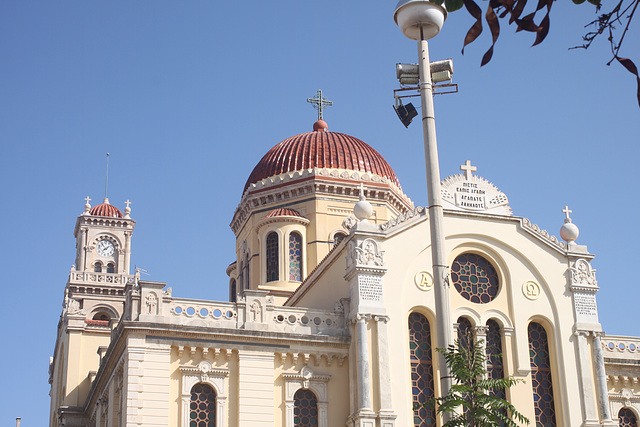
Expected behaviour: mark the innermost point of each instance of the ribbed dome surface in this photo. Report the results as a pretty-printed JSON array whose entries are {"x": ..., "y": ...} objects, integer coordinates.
[
  {"x": 284, "y": 212},
  {"x": 106, "y": 209},
  {"x": 321, "y": 149}
]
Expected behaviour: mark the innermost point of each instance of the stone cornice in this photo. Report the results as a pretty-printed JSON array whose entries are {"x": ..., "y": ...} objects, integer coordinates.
[
  {"x": 283, "y": 218},
  {"x": 103, "y": 221},
  {"x": 288, "y": 187}
]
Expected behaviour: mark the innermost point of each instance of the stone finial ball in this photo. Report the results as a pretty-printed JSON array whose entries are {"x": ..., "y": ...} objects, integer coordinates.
[
  {"x": 569, "y": 232},
  {"x": 363, "y": 210}
]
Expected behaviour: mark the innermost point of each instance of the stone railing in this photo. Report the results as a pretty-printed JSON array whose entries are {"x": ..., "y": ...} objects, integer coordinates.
[
  {"x": 255, "y": 311},
  {"x": 80, "y": 277},
  {"x": 619, "y": 347}
]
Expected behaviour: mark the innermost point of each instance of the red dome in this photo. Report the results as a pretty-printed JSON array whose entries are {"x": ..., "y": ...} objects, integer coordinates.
[
  {"x": 321, "y": 149},
  {"x": 106, "y": 209},
  {"x": 284, "y": 212}
]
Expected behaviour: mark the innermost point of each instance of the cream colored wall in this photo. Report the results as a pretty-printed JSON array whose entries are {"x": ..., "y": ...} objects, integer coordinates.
[
  {"x": 326, "y": 217},
  {"x": 518, "y": 257}
]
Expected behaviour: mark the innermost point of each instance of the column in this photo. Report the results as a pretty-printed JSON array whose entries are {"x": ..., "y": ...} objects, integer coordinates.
[
  {"x": 589, "y": 412},
  {"x": 602, "y": 394},
  {"x": 364, "y": 381},
  {"x": 385, "y": 414}
]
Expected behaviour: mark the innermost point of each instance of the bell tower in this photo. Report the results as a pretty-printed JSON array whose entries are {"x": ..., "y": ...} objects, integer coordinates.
[{"x": 92, "y": 306}]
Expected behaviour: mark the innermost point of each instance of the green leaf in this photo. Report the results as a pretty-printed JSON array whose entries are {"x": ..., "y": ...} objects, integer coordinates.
[
  {"x": 453, "y": 5},
  {"x": 578, "y": 1}
]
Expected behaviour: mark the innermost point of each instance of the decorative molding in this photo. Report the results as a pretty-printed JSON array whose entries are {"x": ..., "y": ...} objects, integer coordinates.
[
  {"x": 419, "y": 211},
  {"x": 337, "y": 182},
  {"x": 583, "y": 277},
  {"x": 536, "y": 230},
  {"x": 366, "y": 254},
  {"x": 204, "y": 373},
  {"x": 307, "y": 379}
]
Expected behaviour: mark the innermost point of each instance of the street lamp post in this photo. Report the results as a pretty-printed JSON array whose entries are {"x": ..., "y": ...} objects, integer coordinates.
[{"x": 421, "y": 20}]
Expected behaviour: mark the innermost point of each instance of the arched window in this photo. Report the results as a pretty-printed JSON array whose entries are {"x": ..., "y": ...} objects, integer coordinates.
[
  {"x": 626, "y": 418},
  {"x": 111, "y": 268},
  {"x": 273, "y": 268},
  {"x": 295, "y": 257},
  {"x": 541, "y": 376},
  {"x": 305, "y": 409},
  {"x": 495, "y": 366},
  {"x": 337, "y": 238},
  {"x": 202, "y": 409},
  {"x": 233, "y": 291},
  {"x": 102, "y": 316},
  {"x": 97, "y": 267},
  {"x": 421, "y": 357},
  {"x": 465, "y": 332}
]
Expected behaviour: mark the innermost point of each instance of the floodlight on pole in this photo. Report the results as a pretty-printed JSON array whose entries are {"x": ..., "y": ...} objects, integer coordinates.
[{"x": 422, "y": 20}]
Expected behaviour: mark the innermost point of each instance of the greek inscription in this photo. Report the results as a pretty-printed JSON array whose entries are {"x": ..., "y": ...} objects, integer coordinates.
[{"x": 370, "y": 288}]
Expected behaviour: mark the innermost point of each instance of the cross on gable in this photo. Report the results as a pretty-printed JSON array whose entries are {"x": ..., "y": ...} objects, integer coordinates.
[
  {"x": 567, "y": 211},
  {"x": 467, "y": 168},
  {"x": 320, "y": 102}
]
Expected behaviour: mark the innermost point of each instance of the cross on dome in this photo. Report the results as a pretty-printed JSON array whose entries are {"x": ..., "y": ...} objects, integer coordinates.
[
  {"x": 467, "y": 168},
  {"x": 128, "y": 203},
  {"x": 567, "y": 211},
  {"x": 320, "y": 102},
  {"x": 87, "y": 199}
]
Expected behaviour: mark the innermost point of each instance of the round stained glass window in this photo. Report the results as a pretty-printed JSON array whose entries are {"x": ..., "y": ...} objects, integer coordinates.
[{"x": 475, "y": 278}]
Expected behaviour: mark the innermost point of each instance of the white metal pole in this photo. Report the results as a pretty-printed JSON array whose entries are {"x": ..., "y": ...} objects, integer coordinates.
[{"x": 436, "y": 217}]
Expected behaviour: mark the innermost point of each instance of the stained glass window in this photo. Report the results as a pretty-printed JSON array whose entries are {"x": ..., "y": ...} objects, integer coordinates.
[
  {"x": 495, "y": 366},
  {"x": 541, "y": 376},
  {"x": 421, "y": 358},
  {"x": 272, "y": 257},
  {"x": 465, "y": 332},
  {"x": 305, "y": 409},
  {"x": 233, "y": 291},
  {"x": 295, "y": 257},
  {"x": 203, "y": 406},
  {"x": 475, "y": 278},
  {"x": 626, "y": 418}
]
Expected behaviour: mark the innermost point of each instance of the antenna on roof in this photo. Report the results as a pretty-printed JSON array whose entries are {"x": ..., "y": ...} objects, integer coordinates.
[{"x": 106, "y": 180}]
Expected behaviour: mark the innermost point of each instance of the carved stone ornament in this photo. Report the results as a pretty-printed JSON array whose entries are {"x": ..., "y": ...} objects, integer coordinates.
[
  {"x": 367, "y": 254},
  {"x": 207, "y": 374},
  {"x": 583, "y": 274},
  {"x": 151, "y": 302},
  {"x": 349, "y": 222},
  {"x": 306, "y": 379}
]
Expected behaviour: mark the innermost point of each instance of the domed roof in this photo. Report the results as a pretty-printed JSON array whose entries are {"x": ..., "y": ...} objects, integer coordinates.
[
  {"x": 284, "y": 212},
  {"x": 106, "y": 209},
  {"x": 321, "y": 149}
]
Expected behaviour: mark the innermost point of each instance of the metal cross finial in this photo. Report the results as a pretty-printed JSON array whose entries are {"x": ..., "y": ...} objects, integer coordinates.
[
  {"x": 467, "y": 168},
  {"x": 567, "y": 211},
  {"x": 320, "y": 102},
  {"x": 87, "y": 199}
]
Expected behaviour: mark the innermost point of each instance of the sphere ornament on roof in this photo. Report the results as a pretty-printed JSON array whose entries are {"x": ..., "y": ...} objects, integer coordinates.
[
  {"x": 569, "y": 231},
  {"x": 106, "y": 209},
  {"x": 321, "y": 149}
]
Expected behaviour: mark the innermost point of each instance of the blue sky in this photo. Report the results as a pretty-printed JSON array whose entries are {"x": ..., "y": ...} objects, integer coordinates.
[{"x": 188, "y": 96}]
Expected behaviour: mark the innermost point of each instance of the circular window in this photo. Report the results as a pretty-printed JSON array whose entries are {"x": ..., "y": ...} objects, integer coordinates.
[{"x": 475, "y": 278}]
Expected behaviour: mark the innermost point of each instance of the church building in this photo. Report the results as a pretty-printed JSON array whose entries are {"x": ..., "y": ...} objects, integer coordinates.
[{"x": 331, "y": 315}]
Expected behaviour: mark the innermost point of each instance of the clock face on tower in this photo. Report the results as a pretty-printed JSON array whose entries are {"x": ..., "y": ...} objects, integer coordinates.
[{"x": 105, "y": 248}]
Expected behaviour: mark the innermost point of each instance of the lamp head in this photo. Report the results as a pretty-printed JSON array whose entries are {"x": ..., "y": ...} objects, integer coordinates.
[
  {"x": 405, "y": 113},
  {"x": 419, "y": 19}
]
